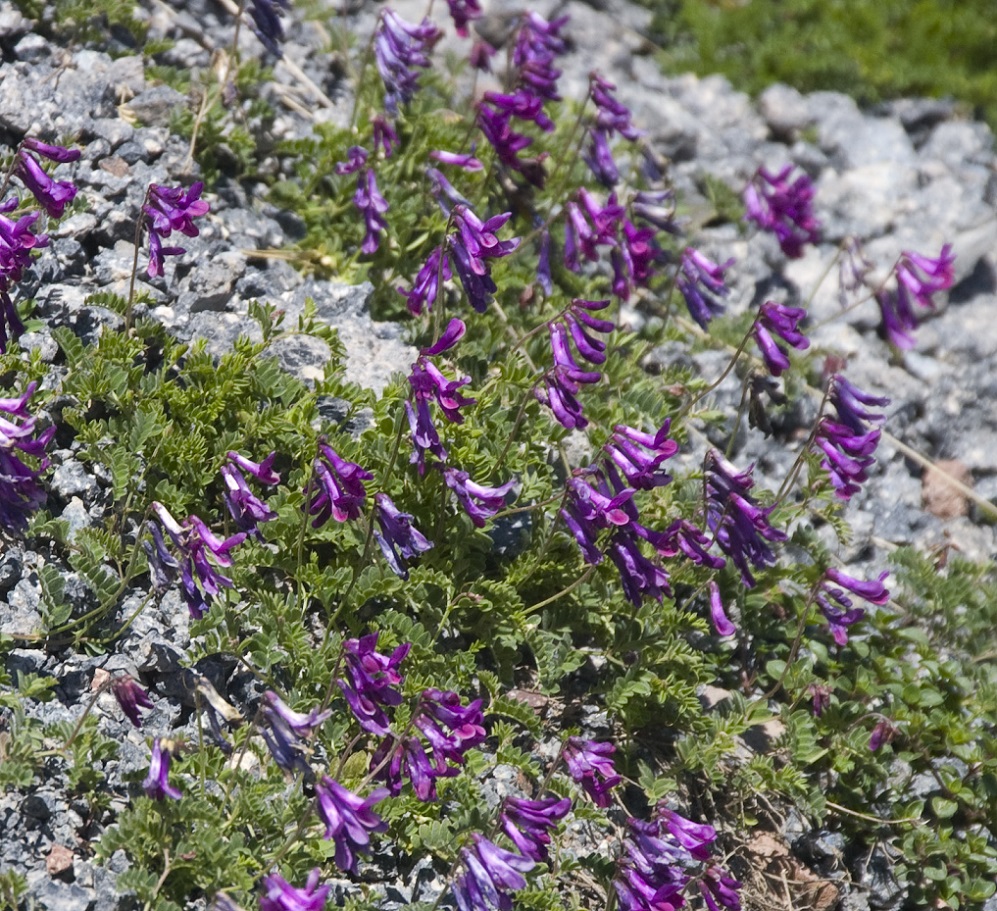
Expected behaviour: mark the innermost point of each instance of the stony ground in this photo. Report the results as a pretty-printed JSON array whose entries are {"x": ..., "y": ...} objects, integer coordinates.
[{"x": 912, "y": 175}]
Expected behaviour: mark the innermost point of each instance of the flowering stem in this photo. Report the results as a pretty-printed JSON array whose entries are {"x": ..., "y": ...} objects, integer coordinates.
[
  {"x": 726, "y": 372},
  {"x": 131, "y": 284},
  {"x": 533, "y": 608}
]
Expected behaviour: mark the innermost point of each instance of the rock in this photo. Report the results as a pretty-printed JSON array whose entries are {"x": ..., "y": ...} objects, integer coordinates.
[
  {"x": 59, "y": 862},
  {"x": 786, "y": 112},
  {"x": 154, "y": 106},
  {"x": 941, "y": 498}
]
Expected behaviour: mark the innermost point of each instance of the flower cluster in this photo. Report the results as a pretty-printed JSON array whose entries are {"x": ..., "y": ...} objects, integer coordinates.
[
  {"x": 337, "y": 488},
  {"x": 280, "y": 895},
  {"x": 267, "y": 25},
  {"x": 248, "y": 510},
  {"x": 775, "y": 319},
  {"x": 701, "y": 283},
  {"x": 611, "y": 117},
  {"x": 197, "y": 554},
  {"x": 372, "y": 205},
  {"x": 590, "y": 764},
  {"x": 785, "y": 207},
  {"x": 401, "y": 49},
  {"x": 838, "y": 608},
  {"x": 170, "y": 209},
  {"x": 52, "y": 195},
  {"x": 21, "y": 492},
  {"x": 450, "y": 730},
  {"x": 528, "y": 823},
  {"x": 348, "y": 819},
  {"x": 918, "y": 278},
  {"x": 285, "y": 730},
  {"x": 397, "y": 537},
  {"x": 740, "y": 526},
  {"x": 562, "y": 383},
  {"x": 849, "y": 442},
  {"x": 373, "y": 681},
  {"x": 659, "y": 862}
]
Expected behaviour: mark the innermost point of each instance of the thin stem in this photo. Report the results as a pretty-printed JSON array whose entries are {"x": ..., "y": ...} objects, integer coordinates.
[{"x": 533, "y": 608}]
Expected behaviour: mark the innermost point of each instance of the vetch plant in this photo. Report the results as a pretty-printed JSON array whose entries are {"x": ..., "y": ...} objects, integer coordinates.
[{"x": 530, "y": 542}]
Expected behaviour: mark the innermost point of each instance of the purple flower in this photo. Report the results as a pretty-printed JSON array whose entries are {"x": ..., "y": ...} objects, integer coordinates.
[
  {"x": 383, "y": 135},
  {"x": 52, "y": 195},
  {"x": 429, "y": 384},
  {"x": 337, "y": 488},
  {"x": 884, "y": 732},
  {"x": 781, "y": 320},
  {"x": 372, "y": 205},
  {"x": 783, "y": 207},
  {"x": 589, "y": 226},
  {"x": 633, "y": 259},
  {"x": 528, "y": 823},
  {"x": 397, "y": 759},
  {"x": 444, "y": 192},
  {"x": 356, "y": 158},
  {"x": 454, "y": 332},
  {"x": 246, "y": 509},
  {"x": 425, "y": 438},
  {"x": 638, "y": 455},
  {"x": 696, "y": 838},
  {"x": 599, "y": 158},
  {"x": 157, "y": 784},
  {"x": 51, "y": 152},
  {"x": 657, "y": 208},
  {"x": 719, "y": 890},
  {"x": 480, "y": 57},
  {"x": 348, "y": 819},
  {"x": 684, "y": 537},
  {"x": 918, "y": 277},
  {"x": 538, "y": 44},
  {"x": 561, "y": 383},
  {"x": 21, "y": 493},
  {"x": 590, "y": 765},
  {"x": 424, "y": 289},
  {"x": 401, "y": 49},
  {"x": 131, "y": 697},
  {"x": 397, "y": 537},
  {"x": 491, "y": 873},
  {"x": 280, "y": 895},
  {"x": 652, "y": 873},
  {"x": 848, "y": 444},
  {"x": 303, "y": 725},
  {"x": 741, "y": 527},
  {"x": 507, "y": 143},
  {"x": 450, "y": 728},
  {"x": 472, "y": 243},
  {"x": 611, "y": 115},
  {"x": 266, "y": 16},
  {"x": 17, "y": 240},
  {"x": 820, "y": 696},
  {"x": 198, "y": 553},
  {"x": 718, "y": 615},
  {"x": 466, "y": 161},
  {"x": 462, "y": 12},
  {"x": 838, "y": 608},
  {"x": 523, "y": 105},
  {"x": 479, "y": 502},
  {"x": 283, "y": 742},
  {"x": 373, "y": 681},
  {"x": 701, "y": 283},
  {"x": 639, "y": 575},
  {"x": 170, "y": 209}
]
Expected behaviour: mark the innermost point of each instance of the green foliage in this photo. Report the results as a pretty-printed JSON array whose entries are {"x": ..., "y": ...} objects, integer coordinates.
[{"x": 871, "y": 50}]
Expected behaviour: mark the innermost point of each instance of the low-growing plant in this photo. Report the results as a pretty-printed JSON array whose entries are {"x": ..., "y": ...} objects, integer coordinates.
[{"x": 515, "y": 618}]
